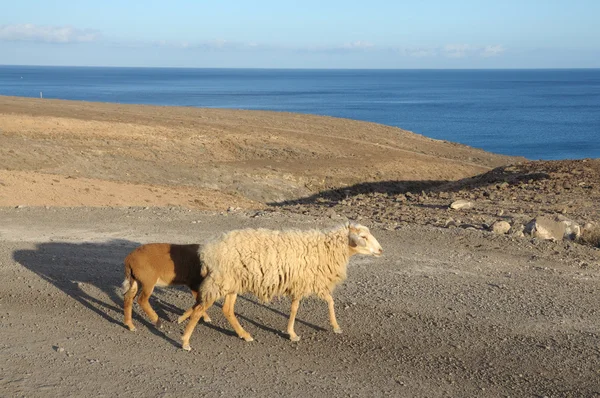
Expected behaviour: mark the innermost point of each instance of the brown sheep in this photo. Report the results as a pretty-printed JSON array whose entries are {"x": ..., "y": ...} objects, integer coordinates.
[{"x": 160, "y": 264}]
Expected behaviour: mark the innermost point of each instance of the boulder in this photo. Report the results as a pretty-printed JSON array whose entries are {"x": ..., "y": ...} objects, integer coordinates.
[
  {"x": 500, "y": 227},
  {"x": 461, "y": 204},
  {"x": 553, "y": 229},
  {"x": 572, "y": 229}
]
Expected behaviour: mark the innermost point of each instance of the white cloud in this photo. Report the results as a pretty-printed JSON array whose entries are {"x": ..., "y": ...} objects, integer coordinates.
[
  {"x": 358, "y": 45},
  {"x": 492, "y": 51},
  {"x": 214, "y": 45},
  {"x": 46, "y": 34},
  {"x": 457, "y": 50},
  {"x": 466, "y": 50},
  {"x": 418, "y": 52}
]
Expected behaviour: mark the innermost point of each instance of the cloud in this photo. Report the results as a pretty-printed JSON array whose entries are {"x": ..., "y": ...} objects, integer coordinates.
[
  {"x": 358, "y": 45},
  {"x": 492, "y": 51},
  {"x": 209, "y": 45},
  {"x": 47, "y": 34},
  {"x": 466, "y": 50},
  {"x": 418, "y": 52},
  {"x": 457, "y": 50}
]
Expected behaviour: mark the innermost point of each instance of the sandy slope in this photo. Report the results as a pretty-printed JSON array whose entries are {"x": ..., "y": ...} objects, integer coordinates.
[{"x": 261, "y": 156}]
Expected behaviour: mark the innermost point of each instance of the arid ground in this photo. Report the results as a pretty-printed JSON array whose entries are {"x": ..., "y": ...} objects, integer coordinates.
[{"x": 451, "y": 309}]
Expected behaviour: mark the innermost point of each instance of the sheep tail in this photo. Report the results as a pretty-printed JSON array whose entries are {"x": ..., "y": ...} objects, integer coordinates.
[{"x": 129, "y": 280}]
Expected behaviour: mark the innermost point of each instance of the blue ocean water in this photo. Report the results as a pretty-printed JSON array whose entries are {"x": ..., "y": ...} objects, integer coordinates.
[{"x": 539, "y": 114}]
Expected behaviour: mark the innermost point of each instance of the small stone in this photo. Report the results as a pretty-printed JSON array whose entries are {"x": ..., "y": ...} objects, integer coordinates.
[
  {"x": 451, "y": 223},
  {"x": 500, "y": 227},
  {"x": 461, "y": 204},
  {"x": 401, "y": 198},
  {"x": 517, "y": 231}
]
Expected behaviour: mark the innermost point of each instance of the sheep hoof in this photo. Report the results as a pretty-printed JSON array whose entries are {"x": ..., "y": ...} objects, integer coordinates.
[
  {"x": 131, "y": 328},
  {"x": 207, "y": 319},
  {"x": 181, "y": 319},
  {"x": 337, "y": 330},
  {"x": 158, "y": 324},
  {"x": 295, "y": 338},
  {"x": 248, "y": 338},
  {"x": 186, "y": 347}
]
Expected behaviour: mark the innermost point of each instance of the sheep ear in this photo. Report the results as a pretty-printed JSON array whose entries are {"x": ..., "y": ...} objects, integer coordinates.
[{"x": 356, "y": 240}]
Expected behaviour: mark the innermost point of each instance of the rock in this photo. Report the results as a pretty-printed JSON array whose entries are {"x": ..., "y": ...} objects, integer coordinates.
[
  {"x": 517, "y": 231},
  {"x": 500, "y": 227},
  {"x": 451, "y": 223},
  {"x": 588, "y": 226},
  {"x": 548, "y": 229},
  {"x": 461, "y": 204},
  {"x": 572, "y": 229}
]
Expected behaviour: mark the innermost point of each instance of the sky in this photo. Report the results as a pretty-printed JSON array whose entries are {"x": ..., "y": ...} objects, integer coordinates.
[{"x": 373, "y": 34}]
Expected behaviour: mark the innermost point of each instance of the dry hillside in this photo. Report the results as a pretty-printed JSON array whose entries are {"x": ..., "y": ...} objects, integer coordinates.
[{"x": 70, "y": 153}]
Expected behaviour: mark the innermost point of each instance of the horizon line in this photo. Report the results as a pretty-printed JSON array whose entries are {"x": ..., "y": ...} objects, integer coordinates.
[{"x": 291, "y": 68}]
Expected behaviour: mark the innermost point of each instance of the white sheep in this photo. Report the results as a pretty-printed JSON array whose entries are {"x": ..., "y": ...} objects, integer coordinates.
[{"x": 270, "y": 263}]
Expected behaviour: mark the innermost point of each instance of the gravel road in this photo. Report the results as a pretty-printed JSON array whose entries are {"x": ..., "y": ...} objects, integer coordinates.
[{"x": 445, "y": 312}]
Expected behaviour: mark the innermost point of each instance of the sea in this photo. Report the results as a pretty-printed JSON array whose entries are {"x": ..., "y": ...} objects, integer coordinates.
[{"x": 539, "y": 114}]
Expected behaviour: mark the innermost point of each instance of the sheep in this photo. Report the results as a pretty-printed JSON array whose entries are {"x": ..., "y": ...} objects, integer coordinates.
[
  {"x": 161, "y": 264},
  {"x": 270, "y": 263}
]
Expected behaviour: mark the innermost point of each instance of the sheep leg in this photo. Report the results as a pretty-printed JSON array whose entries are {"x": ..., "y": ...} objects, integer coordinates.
[
  {"x": 188, "y": 312},
  {"x": 144, "y": 302},
  {"x": 290, "y": 328},
  {"x": 128, "y": 304},
  {"x": 332, "y": 320},
  {"x": 230, "y": 315},
  {"x": 185, "y": 315},
  {"x": 199, "y": 309}
]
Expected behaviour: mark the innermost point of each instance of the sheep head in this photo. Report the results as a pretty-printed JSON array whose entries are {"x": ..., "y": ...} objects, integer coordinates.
[{"x": 361, "y": 241}]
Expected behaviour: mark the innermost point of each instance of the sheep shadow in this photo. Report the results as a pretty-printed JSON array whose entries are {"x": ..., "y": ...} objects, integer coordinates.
[
  {"x": 231, "y": 332},
  {"x": 286, "y": 316},
  {"x": 253, "y": 322},
  {"x": 92, "y": 273},
  {"x": 75, "y": 267},
  {"x": 512, "y": 175}
]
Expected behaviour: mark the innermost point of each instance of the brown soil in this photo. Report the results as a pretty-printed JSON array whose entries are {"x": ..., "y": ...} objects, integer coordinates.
[
  {"x": 450, "y": 309},
  {"x": 516, "y": 194},
  {"x": 260, "y": 156}
]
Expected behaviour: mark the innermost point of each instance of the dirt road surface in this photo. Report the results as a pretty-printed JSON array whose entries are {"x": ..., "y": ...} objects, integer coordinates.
[{"x": 446, "y": 312}]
